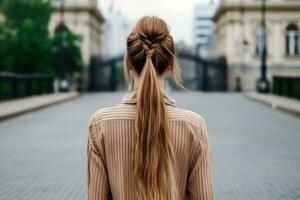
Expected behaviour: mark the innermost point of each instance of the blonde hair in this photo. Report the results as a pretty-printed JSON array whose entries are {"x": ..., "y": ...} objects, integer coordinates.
[{"x": 150, "y": 50}]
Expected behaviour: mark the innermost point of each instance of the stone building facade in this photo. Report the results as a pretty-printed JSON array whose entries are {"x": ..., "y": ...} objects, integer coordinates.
[{"x": 238, "y": 36}]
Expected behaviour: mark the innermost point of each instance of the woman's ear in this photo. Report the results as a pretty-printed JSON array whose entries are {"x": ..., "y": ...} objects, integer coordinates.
[
  {"x": 170, "y": 66},
  {"x": 129, "y": 64}
]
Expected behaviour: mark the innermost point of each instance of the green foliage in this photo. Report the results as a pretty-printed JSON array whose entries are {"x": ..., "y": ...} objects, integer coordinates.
[
  {"x": 6, "y": 45},
  {"x": 32, "y": 52},
  {"x": 39, "y": 11},
  {"x": 1, "y": 4},
  {"x": 25, "y": 44}
]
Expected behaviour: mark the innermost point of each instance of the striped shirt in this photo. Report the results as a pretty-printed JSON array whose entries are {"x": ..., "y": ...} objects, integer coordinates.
[{"x": 110, "y": 138}]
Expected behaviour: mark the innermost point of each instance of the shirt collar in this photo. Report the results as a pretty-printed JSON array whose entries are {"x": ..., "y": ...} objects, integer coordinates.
[{"x": 130, "y": 98}]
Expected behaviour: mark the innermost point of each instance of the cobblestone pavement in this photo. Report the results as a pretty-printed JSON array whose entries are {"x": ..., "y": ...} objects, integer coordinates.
[{"x": 256, "y": 151}]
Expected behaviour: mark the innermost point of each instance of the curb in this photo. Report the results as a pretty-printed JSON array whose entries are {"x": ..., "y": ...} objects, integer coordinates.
[
  {"x": 39, "y": 102},
  {"x": 277, "y": 103}
]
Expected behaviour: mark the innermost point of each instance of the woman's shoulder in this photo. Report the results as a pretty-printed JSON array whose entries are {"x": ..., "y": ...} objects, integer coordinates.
[
  {"x": 195, "y": 123},
  {"x": 190, "y": 117},
  {"x": 117, "y": 112}
]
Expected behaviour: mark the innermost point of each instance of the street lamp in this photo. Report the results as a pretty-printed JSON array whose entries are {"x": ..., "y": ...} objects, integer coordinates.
[
  {"x": 263, "y": 85},
  {"x": 61, "y": 31},
  {"x": 201, "y": 84}
]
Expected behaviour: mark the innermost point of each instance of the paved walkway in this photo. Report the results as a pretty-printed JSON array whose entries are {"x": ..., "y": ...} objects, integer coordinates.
[
  {"x": 13, "y": 108},
  {"x": 277, "y": 102},
  {"x": 255, "y": 149}
]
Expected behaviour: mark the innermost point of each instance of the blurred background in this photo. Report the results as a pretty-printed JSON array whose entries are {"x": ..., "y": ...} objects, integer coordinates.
[
  {"x": 239, "y": 59},
  {"x": 232, "y": 45}
]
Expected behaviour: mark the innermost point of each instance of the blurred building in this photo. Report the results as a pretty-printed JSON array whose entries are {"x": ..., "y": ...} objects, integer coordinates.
[
  {"x": 84, "y": 19},
  {"x": 203, "y": 26},
  {"x": 114, "y": 33},
  {"x": 189, "y": 68},
  {"x": 238, "y": 37}
]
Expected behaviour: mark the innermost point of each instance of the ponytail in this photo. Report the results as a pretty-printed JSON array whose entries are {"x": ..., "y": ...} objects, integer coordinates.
[{"x": 153, "y": 158}]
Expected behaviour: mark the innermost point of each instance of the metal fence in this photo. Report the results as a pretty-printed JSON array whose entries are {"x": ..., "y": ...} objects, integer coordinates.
[
  {"x": 203, "y": 74},
  {"x": 106, "y": 74},
  {"x": 286, "y": 86},
  {"x": 215, "y": 75},
  {"x": 13, "y": 85}
]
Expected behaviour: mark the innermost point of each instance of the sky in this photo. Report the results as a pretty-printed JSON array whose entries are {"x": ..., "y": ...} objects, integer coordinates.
[{"x": 177, "y": 13}]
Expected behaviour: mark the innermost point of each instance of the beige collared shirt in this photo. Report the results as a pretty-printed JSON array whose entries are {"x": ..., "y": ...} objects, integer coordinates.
[{"x": 110, "y": 139}]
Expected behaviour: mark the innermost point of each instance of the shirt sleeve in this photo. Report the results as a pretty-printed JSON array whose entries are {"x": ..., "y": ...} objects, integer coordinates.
[
  {"x": 98, "y": 186},
  {"x": 199, "y": 183}
]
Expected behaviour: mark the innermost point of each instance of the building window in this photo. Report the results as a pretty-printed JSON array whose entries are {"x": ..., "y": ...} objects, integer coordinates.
[
  {"x": 292, "y": 40},
  {"x": 259, "y": 40}
]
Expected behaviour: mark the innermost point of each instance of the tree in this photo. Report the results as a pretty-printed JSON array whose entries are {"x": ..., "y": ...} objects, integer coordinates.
[
  {"x": 25, "y": 44},
  {"x": 16, "y": 11},
  {"x": 25, "y": 41},
  {"x": 6, "y": 47},
  {"x": 1, "y": 3}
]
